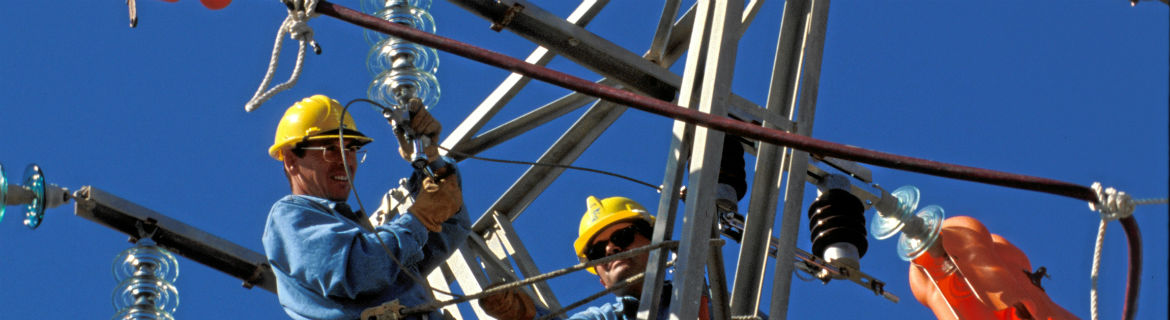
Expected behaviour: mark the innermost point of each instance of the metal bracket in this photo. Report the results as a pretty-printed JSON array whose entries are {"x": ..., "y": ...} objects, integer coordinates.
[
  {"x": 387, "y": 311},
  {"x": 826, "y": 271},
  {"x": 731, "y": 223},
  {"x": 508, "y": 16},
  {"x": 396, "y": 202},
  {"x": 146, "y": 230}
]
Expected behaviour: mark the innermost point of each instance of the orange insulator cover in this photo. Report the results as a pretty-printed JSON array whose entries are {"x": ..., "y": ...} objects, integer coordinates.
[{"x": 991, "y": 282}]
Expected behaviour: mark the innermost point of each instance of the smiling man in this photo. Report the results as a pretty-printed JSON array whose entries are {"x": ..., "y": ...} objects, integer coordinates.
[{"x": 331, "y": 262}]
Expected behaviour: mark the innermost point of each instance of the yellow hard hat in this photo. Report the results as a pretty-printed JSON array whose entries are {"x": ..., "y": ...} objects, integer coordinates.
[
  {"x": 603, "y": 213},
  {"x": 313, "y": 118}
]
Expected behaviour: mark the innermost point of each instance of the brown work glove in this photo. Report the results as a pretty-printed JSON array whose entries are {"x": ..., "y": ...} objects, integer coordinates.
[
  {"x": 512, "y": 304},
  {"x": 424, "y": 125},
  {"x": 437, "y": 202}
]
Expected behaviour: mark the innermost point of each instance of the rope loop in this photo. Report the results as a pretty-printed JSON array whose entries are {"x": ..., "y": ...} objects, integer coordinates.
[
  {"x": 296, "y": 25},
  {"x": 1113, "y": 204}
]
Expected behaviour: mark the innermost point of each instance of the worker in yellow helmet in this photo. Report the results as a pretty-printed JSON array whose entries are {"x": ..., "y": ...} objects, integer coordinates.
[
  {"x": 331, "y": 262},
  {"x": 609, "y": 226}
]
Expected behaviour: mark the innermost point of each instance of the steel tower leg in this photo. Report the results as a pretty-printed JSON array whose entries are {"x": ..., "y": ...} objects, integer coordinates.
[
  {"x": 709, "y": 71},
  {"x": 810, "y": 73}
]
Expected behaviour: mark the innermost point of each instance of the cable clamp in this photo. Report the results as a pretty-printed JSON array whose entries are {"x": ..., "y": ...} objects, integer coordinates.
[
  {"x": 396, "y": 202},
  {"x": 387, "y": 311}
]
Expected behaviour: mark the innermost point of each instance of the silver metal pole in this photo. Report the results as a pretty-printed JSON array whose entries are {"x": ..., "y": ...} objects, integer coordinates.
[
  {"x": 717, "y": 25},
  {"x": 814, "y": 36},
  {"x": 766, "y": 184}
]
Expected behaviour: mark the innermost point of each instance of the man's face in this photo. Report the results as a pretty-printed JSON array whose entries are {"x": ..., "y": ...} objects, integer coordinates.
[
  {"x": 618, "y": 270},
  {"x": 321, "y": 173}
]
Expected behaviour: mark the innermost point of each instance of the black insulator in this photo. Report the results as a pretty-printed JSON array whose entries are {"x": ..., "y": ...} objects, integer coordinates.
[
  {"x": 731, "y": 168},
  {"x": 837, "y": 216}
]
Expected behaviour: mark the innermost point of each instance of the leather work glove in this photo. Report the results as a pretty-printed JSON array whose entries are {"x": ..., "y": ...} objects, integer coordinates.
[
  {"x": 436, "y": 202},
  {"x": 423, "y": 125},
  {"x": 512, "y": 304}
]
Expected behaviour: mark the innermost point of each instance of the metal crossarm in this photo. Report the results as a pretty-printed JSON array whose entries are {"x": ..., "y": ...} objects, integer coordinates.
[{"x": 129, "y": 218}]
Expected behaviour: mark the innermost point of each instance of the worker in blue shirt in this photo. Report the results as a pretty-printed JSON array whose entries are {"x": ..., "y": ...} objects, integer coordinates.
[
  {"x": 331, "y": 262},
  {"x": 618, "y": 224},
  {"x": 608, "y": 227}
]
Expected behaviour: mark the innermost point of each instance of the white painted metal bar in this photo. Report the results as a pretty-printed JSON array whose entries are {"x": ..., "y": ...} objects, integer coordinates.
[
  {"x": 766, "y": 183},
  {"x": 512, "y": 85},
  {"x": 524, "y": 262},
  {"x": 717, "y": 24},
  {"x": 460, "y": 264},
  {"x": 440, "y": 279},
  {"x": 810, "y": 66},
  {"x": 524, "y": 123},
  {"x": 720, "y": 305},
  {"x": 587, "y": 49},
  {"x": 602, "y": 56},
  {"x": 680, "y": 148},
  {"x": 564, "y": 151},
  {"x": 662, "y": 33}
]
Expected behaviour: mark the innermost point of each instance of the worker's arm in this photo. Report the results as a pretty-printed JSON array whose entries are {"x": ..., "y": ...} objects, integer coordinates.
[
  {"x": 333, "y": 256},
  {"x": 453, "y": 230}
]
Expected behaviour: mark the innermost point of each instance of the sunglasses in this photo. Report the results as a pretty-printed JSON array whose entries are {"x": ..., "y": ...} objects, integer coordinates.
[{"x": 621, "y": 238}]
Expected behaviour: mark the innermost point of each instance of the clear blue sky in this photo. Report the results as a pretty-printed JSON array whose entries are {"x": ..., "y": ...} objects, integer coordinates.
[{"x": 1069, "y": 90}]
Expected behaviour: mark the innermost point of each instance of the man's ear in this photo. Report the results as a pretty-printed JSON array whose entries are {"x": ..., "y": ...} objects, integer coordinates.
[{"x": 290, "y": 161}]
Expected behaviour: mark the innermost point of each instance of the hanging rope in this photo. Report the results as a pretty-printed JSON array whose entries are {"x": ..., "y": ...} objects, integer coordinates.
[
  {"x": 1112, "y": 204},
  {"x": 296, "y": 25}
]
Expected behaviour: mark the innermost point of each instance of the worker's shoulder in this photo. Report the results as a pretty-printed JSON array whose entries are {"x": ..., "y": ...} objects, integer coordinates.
[{"x": 294, "y": 204}]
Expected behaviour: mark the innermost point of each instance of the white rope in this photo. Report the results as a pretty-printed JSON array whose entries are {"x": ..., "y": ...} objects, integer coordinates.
[
  {"x": 296, "y": 25},
  {"x": 1096, "y": 268},
  {"x": 1113, "y": 205}
]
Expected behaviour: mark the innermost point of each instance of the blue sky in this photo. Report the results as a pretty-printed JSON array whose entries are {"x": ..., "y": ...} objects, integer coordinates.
[{"x": 1070, "y": 90}]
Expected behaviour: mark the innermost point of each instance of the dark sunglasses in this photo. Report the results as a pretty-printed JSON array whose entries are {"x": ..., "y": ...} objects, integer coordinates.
[{"x": 621, "y": 238}]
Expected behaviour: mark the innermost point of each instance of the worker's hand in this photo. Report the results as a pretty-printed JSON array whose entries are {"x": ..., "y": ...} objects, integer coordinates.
[
  {"x": 424, "y": 125},
  {"x": 436, "y": 202},
  {"x": 511, "y": 304},
  {"x": 996, "y": 271}
]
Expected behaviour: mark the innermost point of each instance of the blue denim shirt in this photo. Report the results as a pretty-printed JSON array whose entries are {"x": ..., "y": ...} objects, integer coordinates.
[
  {"x": 326, "y": 267},
  {"x": 625, "y": 308}
]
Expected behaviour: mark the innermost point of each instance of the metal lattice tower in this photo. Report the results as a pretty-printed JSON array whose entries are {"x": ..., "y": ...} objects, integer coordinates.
[{"x": 710, "y": 31}]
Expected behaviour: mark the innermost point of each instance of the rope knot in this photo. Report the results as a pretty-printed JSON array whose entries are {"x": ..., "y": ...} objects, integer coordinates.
[
  {"x": 299, "y": 30},
  {"x": 299, "y": 13},
  {"x": 1112, "y": 203},
  {"x": 297, "y": 26}
]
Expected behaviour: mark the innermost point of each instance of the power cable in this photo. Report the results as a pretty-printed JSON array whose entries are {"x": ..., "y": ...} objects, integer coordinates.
[
  {"x": 612, "y": 174},
  {"x": 361, "y": 208}
]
